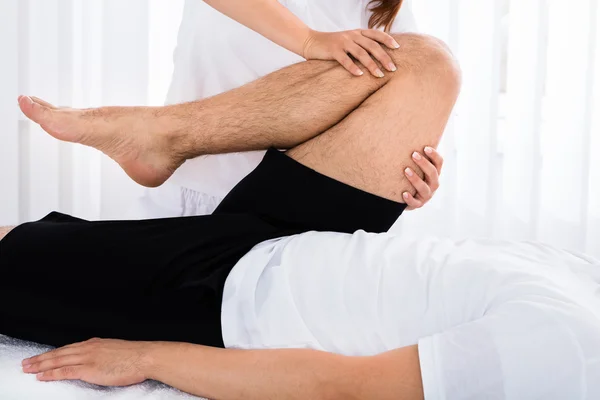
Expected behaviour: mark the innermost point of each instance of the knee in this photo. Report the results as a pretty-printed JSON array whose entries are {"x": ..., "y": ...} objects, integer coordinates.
[{"x": 429, "y": 59}]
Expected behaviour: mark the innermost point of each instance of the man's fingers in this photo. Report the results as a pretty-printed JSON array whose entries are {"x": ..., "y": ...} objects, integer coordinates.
[
  {"x": 70, "y": 373},
  {"x": 377, "y": 51},
  {"x": 347, "y": 63},
  {"x": 431, "y": 173},
  {"x": 365, "y": 58},
  {"x": 62, "y": 351},
  {"x": 54, "y": 363},
  {"x": 423, "y": 190},
  {"x": 381, "y": 37}
]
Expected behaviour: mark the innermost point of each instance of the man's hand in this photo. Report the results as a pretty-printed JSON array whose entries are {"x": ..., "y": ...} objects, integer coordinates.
[
  {"x": 431, "y": 164},
  {"x": 97, "y": 361}
]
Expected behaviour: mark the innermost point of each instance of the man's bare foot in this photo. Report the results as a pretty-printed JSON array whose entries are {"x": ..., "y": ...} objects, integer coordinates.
[{"x": 141, "y": 142}]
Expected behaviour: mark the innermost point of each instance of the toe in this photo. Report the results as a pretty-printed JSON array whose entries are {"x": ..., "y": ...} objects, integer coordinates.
[
  {"x": 43, "y": 103},
  {"x": 34, "y": 111}
]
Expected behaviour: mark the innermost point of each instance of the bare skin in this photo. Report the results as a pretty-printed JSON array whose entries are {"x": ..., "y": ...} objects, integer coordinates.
[
  {"x": 4, "y": 230},
  {"x": 362, "y": 129}
]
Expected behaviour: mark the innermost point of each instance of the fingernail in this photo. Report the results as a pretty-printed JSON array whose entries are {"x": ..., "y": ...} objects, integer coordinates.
[
  {"x": 40, "y": 375},
  {"x": 408, "y": 172},
  {"x": 392, "y": 67},
  {"x": 379, "y": 73},
  {"x": 25, "y": 366},
  {"x": 395, "y": 44},
  {"x": 405, "y": 195},
  {"x": 417, "y": 156},
  {"x": 360, "y": 73},
  {"x": 428, "y": 150}
]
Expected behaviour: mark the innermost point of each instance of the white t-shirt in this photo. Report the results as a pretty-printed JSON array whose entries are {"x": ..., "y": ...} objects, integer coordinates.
[
  {"x": 493, "y": 320},
  {"x": 215, "y": 54}
]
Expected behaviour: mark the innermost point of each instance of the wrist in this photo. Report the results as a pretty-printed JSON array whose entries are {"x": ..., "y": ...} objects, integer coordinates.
[
  {"x": 150, "y": 359},
  {"x": 309, "y": 39}
]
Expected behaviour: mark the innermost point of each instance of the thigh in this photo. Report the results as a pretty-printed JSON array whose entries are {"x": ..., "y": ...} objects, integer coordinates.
[
  {"x": 371, "y": 148},
  {"x": 66, "y": 280},
  {"x": 147, "y": 257},
  {"x": 373, "y": 145},
  {"x": 295, "y": 198}
]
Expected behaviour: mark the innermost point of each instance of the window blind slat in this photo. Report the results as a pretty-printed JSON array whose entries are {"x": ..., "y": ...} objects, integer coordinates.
[
  {"x": 9, "y": 114},
  {"x": 586, "y": 150},
  {"x": 42, "y": 76},
  {"x": 526, "y": 74}
]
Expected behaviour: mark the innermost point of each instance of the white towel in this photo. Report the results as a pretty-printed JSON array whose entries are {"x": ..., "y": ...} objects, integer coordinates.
[{"x": 16, "y": 385}]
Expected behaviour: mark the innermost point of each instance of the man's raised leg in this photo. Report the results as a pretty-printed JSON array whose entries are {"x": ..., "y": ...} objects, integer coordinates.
[
  {"x": 282, "y": 110},
  {"x": 371, "y": 148}
]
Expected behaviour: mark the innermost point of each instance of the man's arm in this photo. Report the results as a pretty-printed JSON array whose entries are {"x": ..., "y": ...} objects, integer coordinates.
[
  {"x": 228, "y": 374},
  {"x": 286, "y": 374}
]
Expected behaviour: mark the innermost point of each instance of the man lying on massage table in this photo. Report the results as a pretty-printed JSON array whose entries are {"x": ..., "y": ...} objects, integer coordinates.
[{"x": 252, "y": 303}]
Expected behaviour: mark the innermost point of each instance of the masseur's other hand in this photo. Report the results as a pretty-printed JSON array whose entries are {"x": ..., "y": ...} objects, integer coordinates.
[
  {"x": 97, "y": 361},
  {"x": 365, "y": 45},
  {"x": 430, "y": 162}
]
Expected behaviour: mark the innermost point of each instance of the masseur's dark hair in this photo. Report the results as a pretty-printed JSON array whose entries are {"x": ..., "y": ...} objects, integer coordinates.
[{"x": 384, "y": 13}]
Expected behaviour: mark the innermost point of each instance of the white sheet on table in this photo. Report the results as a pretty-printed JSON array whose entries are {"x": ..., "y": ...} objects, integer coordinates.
[{"x": 15, "y": 385}]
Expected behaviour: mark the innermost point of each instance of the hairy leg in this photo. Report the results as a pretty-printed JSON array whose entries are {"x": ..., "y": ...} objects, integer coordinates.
[
  {"x": 283, "y": 109},
  {"x": 371, "y": 148},
  {"x": 4, "y": 230}
]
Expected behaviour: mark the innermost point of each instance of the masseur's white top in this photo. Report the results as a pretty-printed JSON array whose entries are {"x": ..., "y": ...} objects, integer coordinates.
[
  {"x": 215, "y": 54},
  {"x": 493, "y": 320}
]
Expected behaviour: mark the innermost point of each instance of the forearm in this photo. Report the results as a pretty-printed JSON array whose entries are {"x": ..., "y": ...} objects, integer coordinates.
[
  {"x": 5, "y": 230},
  {"x": 268, "y": 18},
  {"x": 250, "y": 374}
]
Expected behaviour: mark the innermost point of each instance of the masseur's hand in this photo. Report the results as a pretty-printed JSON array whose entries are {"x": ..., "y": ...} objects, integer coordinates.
[
  {"x": 366, "y": 45},
  {"x": 430, "y": 162},
  {"x": 97, "y": 361}
]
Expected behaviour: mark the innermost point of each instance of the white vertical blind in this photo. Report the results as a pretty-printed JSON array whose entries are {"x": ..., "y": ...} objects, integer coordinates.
[
  {"x": 9, "y": 88},
  {"x": 593, "y": 207},
  {"x": 80, "y": 53},
  {"x": 526, "y": 76},
  {"x": 521, "y": 150}
]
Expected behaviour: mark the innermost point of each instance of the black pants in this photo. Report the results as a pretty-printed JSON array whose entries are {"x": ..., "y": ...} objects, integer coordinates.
[{"x": 65, "y": 280}]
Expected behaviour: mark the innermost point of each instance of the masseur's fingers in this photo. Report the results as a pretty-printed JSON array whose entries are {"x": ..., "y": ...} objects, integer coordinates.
[
  {"x": 411, "y": 202},
  {"x": 346, "y": 62},
  {"x": 431, "y": 173},
  {"x": 424, "y": 192},
  {"x": 377, "y": 51},
  {"x": 365, "y": 58},
  {"x": 435, "y": 157},
  {"x": 381, "y": 37}
]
